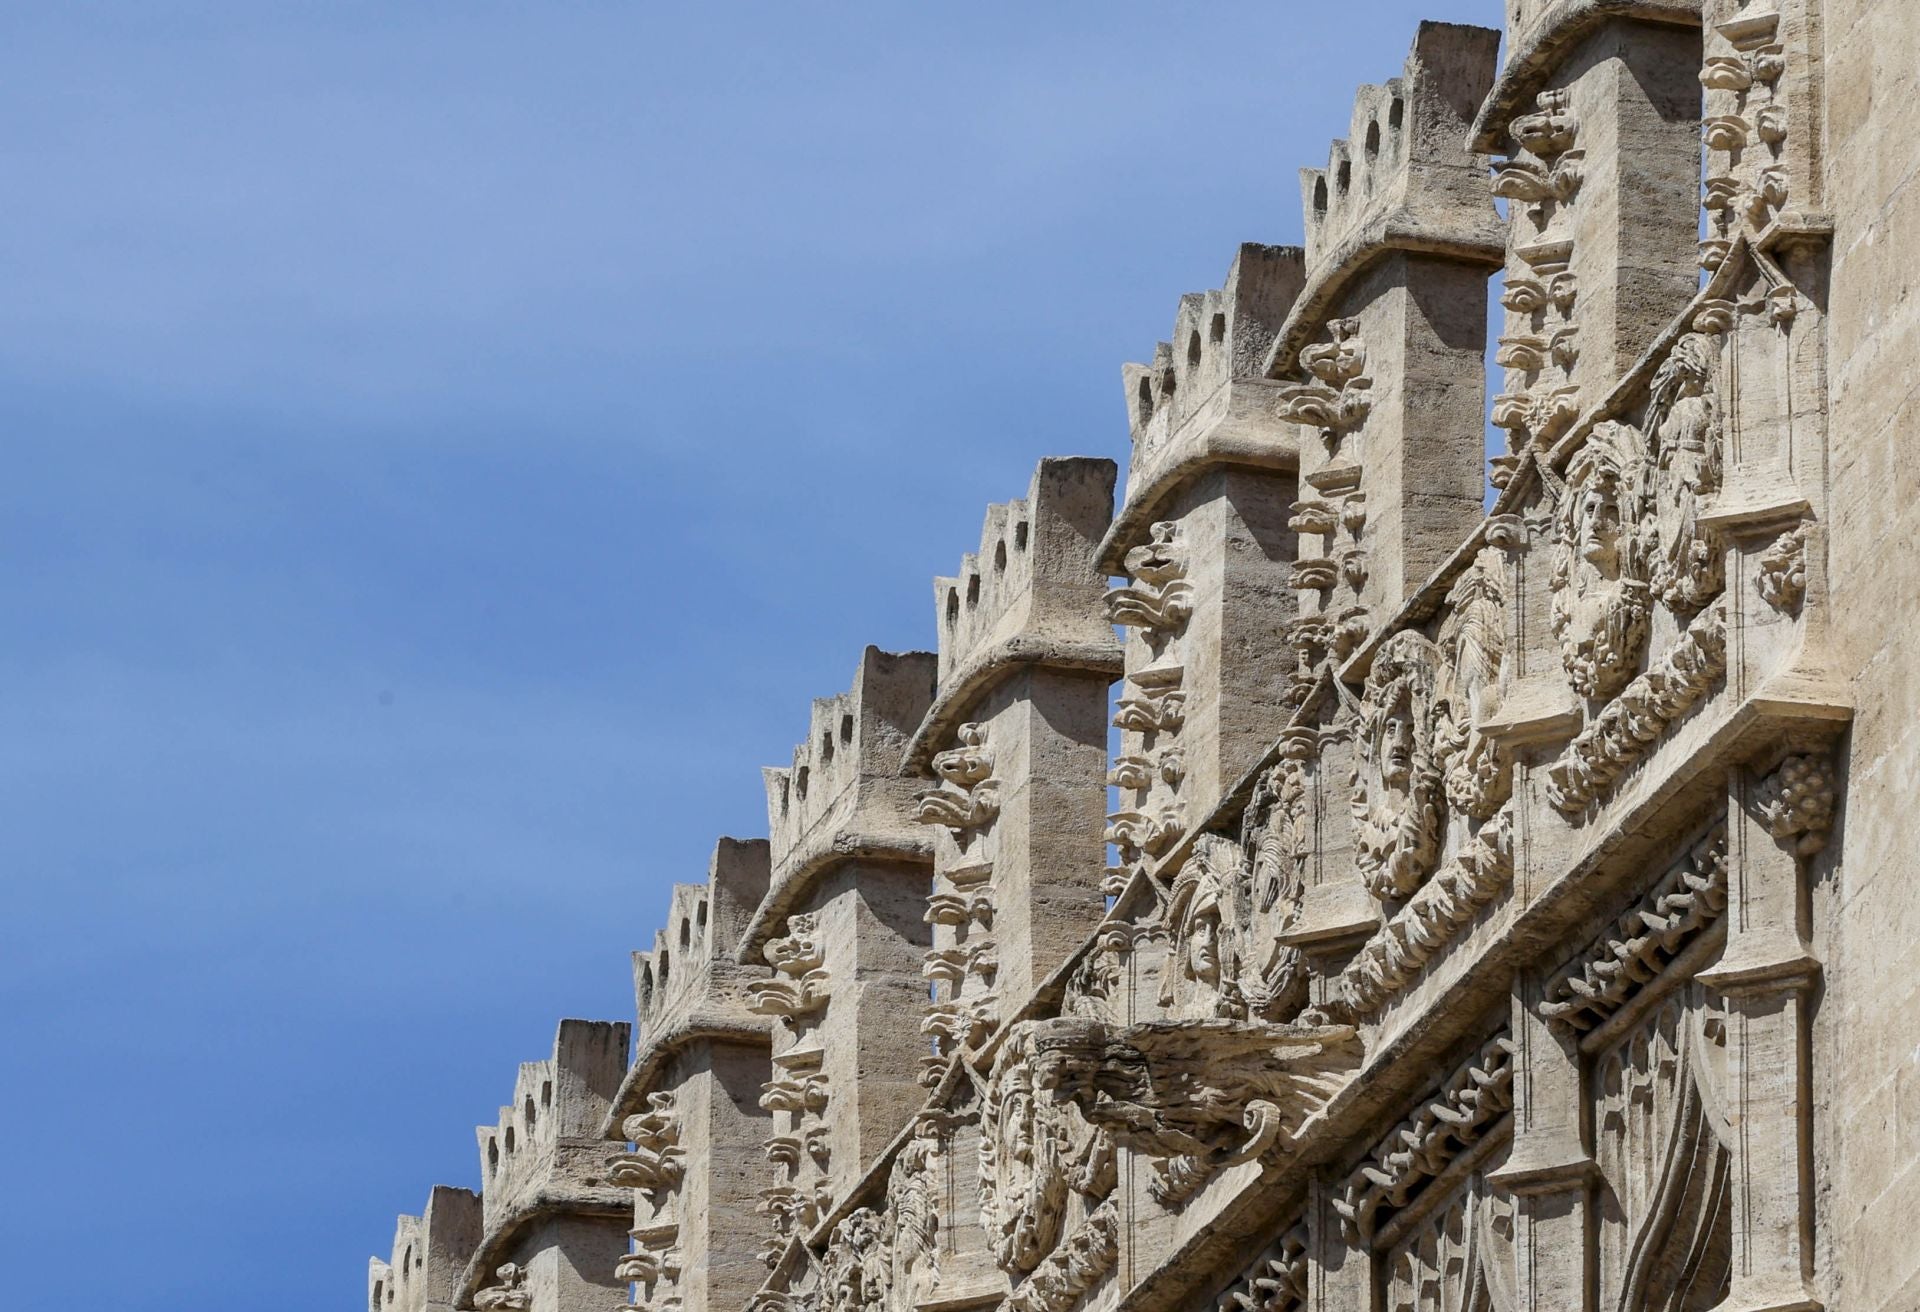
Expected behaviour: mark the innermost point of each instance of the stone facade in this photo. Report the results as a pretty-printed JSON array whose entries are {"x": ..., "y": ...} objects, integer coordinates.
[{"x": 1482, "y": 908}]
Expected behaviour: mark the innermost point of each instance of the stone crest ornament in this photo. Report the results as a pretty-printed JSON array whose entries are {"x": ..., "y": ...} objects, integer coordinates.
[
  {"x": 1599, "y": 582},
  {"x": 1396, "y": 782}
]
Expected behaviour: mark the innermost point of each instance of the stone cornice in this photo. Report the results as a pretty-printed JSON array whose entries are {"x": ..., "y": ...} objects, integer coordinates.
[
  {"x": 661, "y": 1048},
  {"x": 965, "y": 689},
  {"x": 499, "y": 1239},
  {"x": 1397, "y": 231},
  {"x": 821, "y": 857},
  {"x": 1235, "y": 428},
  {"x": 1543, "y": 47}
]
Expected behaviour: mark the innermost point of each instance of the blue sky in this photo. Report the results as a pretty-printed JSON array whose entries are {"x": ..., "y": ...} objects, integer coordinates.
[{"x": 449, "y": 445}]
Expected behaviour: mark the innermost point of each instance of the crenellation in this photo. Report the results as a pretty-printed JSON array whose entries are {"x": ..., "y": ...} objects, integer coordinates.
[
  {"x": 844, "y": 795},
  {"x": 1504, "y": 898},
  {"x": 1193, "y": 411}
]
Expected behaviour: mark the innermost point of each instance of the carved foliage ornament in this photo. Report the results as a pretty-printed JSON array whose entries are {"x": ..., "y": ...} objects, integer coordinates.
[
  {"x": 1396, "y": 782},
  {"x": 968, "y": 796},
  {"x": 1686, "y": 902},
  {"x": 1157, "y": 599},
  {"x": 510, "y": 1294}
]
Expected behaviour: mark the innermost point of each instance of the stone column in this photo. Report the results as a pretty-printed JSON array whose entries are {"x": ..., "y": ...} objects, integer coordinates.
[
  {"x": 1203, "y": 541},
  {"x": 1775, "y": 822},
  {"x": 844, "y": 928},
  {"x": 1549, "y": 1171}
]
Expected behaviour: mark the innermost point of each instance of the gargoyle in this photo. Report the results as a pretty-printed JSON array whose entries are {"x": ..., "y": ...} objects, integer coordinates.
[{"x": 1223, "y": 1091}]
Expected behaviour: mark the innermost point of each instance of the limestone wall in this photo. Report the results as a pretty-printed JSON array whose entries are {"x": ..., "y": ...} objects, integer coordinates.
[{"x": 1482, "y": 908}]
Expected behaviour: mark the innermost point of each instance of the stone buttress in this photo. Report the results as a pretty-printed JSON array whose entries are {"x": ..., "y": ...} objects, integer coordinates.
[
  {"x": 689, "y": 1107},
  {"x": 554, "y": 1221},
  {"x": 844, "y": 929}
]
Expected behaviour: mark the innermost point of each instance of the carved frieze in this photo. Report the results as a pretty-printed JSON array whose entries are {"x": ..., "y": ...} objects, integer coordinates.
[
  {"x": 1421, "y": 1148},
  {"x": 1277, "y": 1280},
  {"x": 1686, "y": 902},
  {"x": 1432, "y": 918},
  {"x": 1626, "y": 728}
]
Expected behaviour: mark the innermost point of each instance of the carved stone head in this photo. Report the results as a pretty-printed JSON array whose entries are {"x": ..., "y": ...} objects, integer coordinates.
[
  {"x": 1600, "y": 572},
  {"x": 1396, "y": 784},
  {"x": 1207, "y": 919},
  {"x": 1023, "y": 1181}
]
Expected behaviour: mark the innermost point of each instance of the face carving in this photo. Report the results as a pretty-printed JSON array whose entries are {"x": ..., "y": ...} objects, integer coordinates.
[
  {"x": 1599, "y": 582},
  {"x": 1204, "y": 916},
  {"x": 1396, "y": 782},
  {"x": 1599, "y": 528}
]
